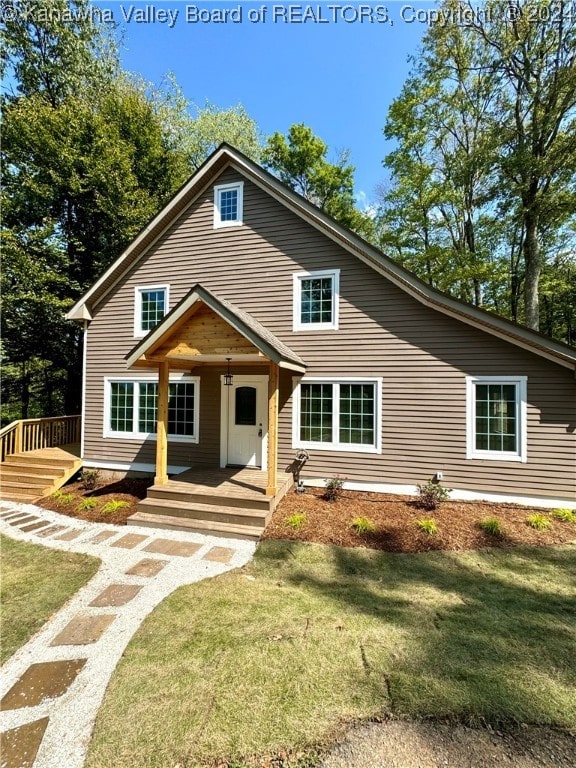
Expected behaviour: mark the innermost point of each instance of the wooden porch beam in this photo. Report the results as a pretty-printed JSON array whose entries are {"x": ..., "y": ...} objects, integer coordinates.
[
  {"x": 272, "y": 486},
  {"x": 162, "y": 426}
]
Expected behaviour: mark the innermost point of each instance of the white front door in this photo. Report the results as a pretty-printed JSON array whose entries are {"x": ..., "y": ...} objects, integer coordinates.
[{"x": 245, "y": 415}]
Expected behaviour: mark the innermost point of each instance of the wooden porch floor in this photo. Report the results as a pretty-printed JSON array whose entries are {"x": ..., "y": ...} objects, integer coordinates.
[{"x": 230, "y": 482}]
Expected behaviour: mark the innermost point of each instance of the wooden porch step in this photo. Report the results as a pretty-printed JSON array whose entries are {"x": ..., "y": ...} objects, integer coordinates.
[
  {"x": 42, "y": 488},
  {"x": 30, "y": 476},
  {"x": 22, "y": 498},
  {"x": 13, "y": 468},
  {"x": 18, "y": 474},
  {"x": 182, "y": 493},
  {"x": 45, "y": 460},
  {"x": 208, "y": 512},
  {"x": 209, "y": 527}
]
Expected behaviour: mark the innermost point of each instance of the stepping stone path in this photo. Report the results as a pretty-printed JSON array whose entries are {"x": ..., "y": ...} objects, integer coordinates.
[{"x": 52, "y": 687}]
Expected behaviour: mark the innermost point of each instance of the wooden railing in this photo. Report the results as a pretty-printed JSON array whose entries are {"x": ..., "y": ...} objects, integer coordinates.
[{"x": 31, "y": 434}]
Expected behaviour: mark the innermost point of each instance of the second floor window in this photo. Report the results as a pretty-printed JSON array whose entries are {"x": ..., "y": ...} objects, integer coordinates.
[
  {"x": 151, "y": 305},
  {"x": 316, "y": 300}
]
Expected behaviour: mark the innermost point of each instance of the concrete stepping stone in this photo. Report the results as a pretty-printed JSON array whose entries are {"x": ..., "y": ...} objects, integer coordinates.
[
  {"x": 19, "y": 746},
  {"x": 73, "y": 533},
  {"x": 116, "y": 595},
  {"x": 147, "y": 567},
  {"x": 7, "y": 512},
  {"x": 102, "y": 536},
  {"x": 34, "y": 526},
  {"x": 53, "y": 529},
  {"x": 170, "y": 547},
  {"x": 46, "y": 680},
  {"x": 219, "y": 555},
  {"x": 84, "y": 630},
  {"x": 129, "y": 541},
  {"x": 22, "y": 520}
]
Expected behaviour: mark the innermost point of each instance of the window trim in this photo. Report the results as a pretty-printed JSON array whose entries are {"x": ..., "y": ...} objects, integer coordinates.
[
  {"x": 134, "y": 435},
  {"x": 139, "y": 332},
  {"x": 218, "y": 188},
  {"x": 297, "y": 278},
  {"x": 521, "y": 454},
  {"x": 335, "y": 445}
]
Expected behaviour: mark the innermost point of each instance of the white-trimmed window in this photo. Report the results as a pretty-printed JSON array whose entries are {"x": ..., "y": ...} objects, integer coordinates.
[
  {"x": 338, "y": 414},
  {"x": 150, "y": 306},
  {"x": 496, "y": 417},
  {"x": 316, "y": 300},
  {"x": 131, "y": 406},
  {"x": 228, "y": 204}
]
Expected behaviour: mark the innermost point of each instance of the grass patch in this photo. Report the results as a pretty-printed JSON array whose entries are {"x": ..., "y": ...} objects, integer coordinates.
[
  {"x": 279, "y": 655},
  {"x": 566, "y": 515},
  {"x": 363, "y": 525},
  {"x": 538, "y": 522},
  {"x": 296, "y": 521},
  {"x": 113, "y": 506},
  {"x": 88, "y": 503},
  {"x": 428, "y": 525},
  {"x": 36, "y": 582},
  {"x": 492, "y": 526}
]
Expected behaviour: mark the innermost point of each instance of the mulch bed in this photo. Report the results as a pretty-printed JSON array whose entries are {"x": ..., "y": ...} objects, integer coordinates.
[
  {"x": 127, "y": 490},
  {"x": 394, "y": 517},
  {"x": 329, "y": 522}
]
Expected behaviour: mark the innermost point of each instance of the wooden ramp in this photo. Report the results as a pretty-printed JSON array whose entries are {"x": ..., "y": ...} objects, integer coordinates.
[
  {"x": 31, "y": 475},
  {"x": 219, "y": 502}
]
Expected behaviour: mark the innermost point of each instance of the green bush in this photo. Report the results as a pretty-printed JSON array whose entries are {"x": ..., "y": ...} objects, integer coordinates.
[
  {"x": 63, "y": 499},
  {"x": 296, "y": 521},
  {"x": 431, "y": 494},
  {"x": 566, "y": 515},
  {"x": 89, "y": 479},
  {"x": 538, "y": 522},
  {"x": 334, "y": 487},
  {"x": 428, "y": 525},
  {"x": 363, "y": 525},
  {"x": 114, "y": 506},
  {"x": 87, "y": 503},
  {"x": 491, "y": 526}
]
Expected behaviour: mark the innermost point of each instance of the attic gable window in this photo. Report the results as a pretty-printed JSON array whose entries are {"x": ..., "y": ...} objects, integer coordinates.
[
  {"x": 150, "y": 306},
  {"x": 228, "y": 204},
  {"x": 316, "y": 300}
]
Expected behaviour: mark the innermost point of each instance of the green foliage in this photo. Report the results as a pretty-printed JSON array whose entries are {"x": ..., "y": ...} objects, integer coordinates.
[
  {"x": 427, "y": 525},
  {"x": 299, "y": 160},
  {"x": 566, "y": 515},
  {"x": 334, "y": 487},
  {"x": 538, "y": 522},
  {"x": 114, "y": 505},
  {"x": 211, "y": 126},
  {"x": 492, "y": 526},
  {"x": 88, "y": 503},
  {"x": 363, "y": 525},
  {"x": 431, "y": 494},
  {"x": 296, "y": 521},
  {"x": 89, "y": 478},
  {"x": 63, "y": 499}
]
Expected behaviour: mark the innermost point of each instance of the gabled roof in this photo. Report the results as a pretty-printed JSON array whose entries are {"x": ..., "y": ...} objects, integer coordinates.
[
  {"x": 226, "y": 156},
  {"x": 265, "y": 341}
]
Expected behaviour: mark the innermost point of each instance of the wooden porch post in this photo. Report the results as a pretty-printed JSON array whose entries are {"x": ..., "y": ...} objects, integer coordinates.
[
  {"x": 272, "y": 486},
  {"x": 162, "y": 426}
]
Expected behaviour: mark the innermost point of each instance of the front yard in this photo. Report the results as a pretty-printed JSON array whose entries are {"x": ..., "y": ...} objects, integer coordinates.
[
  {"x": 35, "y": 583},
  {"x": 279, "y": 656}
]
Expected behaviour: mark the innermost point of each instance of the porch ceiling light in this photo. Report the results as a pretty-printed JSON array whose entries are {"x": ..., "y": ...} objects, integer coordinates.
[{"x": 228, "y": 376}]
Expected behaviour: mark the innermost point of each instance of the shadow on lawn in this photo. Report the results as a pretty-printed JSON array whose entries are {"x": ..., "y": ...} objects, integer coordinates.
[{"x": 487, "y": 635}]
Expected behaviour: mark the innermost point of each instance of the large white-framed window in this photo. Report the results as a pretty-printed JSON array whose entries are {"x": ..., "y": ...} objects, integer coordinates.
[
  {"x": 150, "y": 306},
  {"x": 316, "y": 296},
  {"x": 228, "y": 204},
  {"x": 336, "y": 414},
  {"x": 496, "y": 418},
  {"x": 131, "y": 406}
]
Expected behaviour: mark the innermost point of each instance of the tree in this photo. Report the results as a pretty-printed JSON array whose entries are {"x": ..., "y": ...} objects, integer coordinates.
[
  {"x": 211, "y": 126},
  {"x": 299, "y": 161}
]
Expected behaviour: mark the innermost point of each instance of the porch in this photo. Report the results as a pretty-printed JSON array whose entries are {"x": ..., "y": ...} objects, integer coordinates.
[{"x": 219, "y": 502}]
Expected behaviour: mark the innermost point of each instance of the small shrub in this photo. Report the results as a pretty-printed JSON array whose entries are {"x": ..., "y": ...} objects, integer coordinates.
[
  {"x": 63, "y": 499},
  {"x": 432, "y": 494},
  {"x": 114, "y": 506},
  {"x": 89, "y": 479},
  {"x": 538, "y": 522},
  {"x": 363, "y": 525},
  {"x": 87, "y": 503},
  {"x": 334, "y": 488},
  {"x": 491, "y": 526},
  {"x": 296, "y": 521},
  {"x": 428, "y": 525},
  {"x": 566, "y": 515}
]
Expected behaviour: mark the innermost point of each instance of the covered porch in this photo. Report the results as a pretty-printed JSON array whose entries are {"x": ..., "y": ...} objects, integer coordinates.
[{"x": 200, "y": 333}]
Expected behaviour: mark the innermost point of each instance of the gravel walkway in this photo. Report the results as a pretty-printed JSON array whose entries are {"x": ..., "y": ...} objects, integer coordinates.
[{"x": 52, "y": 688}]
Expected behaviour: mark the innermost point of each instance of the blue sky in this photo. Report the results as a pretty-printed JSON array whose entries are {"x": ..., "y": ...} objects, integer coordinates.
[{"x": 335, "y": 71}]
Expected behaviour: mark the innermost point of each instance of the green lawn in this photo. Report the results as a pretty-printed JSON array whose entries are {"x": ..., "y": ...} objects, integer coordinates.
[
  {"x": 281, "y": 654},
  {"x": 35, "y": 582}
]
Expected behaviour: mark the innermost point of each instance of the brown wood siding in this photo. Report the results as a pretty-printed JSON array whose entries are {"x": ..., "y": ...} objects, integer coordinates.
[{"x": 422, "y": 356}]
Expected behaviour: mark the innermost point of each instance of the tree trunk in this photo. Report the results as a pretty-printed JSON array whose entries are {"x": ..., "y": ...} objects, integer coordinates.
[
  {"x": 531, "y": 250},
  {"x": 24, "y": 392}
]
